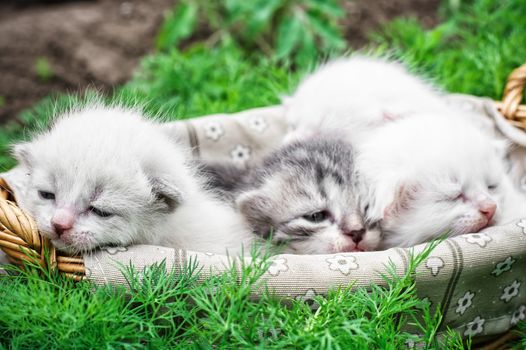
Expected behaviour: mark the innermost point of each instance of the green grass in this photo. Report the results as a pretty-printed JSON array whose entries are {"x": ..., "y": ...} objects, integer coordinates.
[
  {"x": 42, "y": 310},
  {"x": 472, "y": 52}
]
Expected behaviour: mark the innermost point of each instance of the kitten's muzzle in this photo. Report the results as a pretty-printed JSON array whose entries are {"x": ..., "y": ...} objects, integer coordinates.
[
  {"x": 62, "y": 220},
  {"x": 355, "y": 234},
  {"x": 487, "y": 208}
]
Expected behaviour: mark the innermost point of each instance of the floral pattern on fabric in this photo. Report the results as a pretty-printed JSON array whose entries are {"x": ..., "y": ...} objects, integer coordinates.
[
  {"x": 213, "y": 130},
  {"x": 309, "y": 298},
  {"x": 434, "y": 264},
  {"x": 278, "y": 266},
  {"x": 115, "y": 250},
  {"x": 518, "y": 315},
  {"x": 474, "y": 327},
  {"x": 257, "y": 124},
  {"x": 465, "y": 302},
  {"x": 342, "y": 263},
  {"x": 481, "y": 239},
  {"x": 240, "y": 154},
  {"x": 503, "y": 266},
  {"x": 510, "y": 291}
]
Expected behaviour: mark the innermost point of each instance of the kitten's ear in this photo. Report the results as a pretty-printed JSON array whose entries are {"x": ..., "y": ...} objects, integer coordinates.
[
  {"x": 403, "y": 195},
  {"x": 166, "y": 193},
  {"x": 255, "y": 208},
  {"x": 22, "y": 153}
]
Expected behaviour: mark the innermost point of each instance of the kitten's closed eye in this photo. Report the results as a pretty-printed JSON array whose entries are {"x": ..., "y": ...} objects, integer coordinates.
[
  {"x": 493, "y": 187},
  {"x": 318, "y": 216},
  {"x": 101, "y": 213},
  {"x": 46, "y": 195}
]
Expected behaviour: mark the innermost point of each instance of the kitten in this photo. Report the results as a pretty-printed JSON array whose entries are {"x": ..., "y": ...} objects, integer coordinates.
[
  {"x": 427, "y": 177},
  {"x": 303, "y": 196},
  {"x": 107, "y": 176},
  {"x": 356, "y": 94},
  {"x": 426, "y": 171}
]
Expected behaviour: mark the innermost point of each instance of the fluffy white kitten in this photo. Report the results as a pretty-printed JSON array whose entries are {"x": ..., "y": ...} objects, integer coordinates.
[
  {"x": 425, "y": 169},
  {"x": 356, "y": 94},
  {"x": 107, "y": 176},
  {"x": 427, "y": 176}
]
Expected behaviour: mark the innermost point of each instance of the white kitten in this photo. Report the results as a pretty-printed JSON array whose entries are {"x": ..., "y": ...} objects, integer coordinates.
[
  {"x": 356, "y": 94},
  {"x": 426, "y": 170},
  {"x": 427, "y": 176},
  {"x": 107, "y": 176}
]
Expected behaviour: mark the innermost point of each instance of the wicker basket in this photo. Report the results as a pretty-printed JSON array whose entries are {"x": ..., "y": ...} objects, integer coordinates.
[{"x": 21, "y": 241}]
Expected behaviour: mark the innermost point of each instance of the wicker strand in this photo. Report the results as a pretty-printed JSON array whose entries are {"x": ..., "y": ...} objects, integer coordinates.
[{"x": 510, "y": 106}]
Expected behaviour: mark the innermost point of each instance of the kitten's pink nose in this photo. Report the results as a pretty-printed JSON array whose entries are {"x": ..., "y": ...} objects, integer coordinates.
[
  {"x": 63, "y": 220},
  {"x": 487, "y": 208}
]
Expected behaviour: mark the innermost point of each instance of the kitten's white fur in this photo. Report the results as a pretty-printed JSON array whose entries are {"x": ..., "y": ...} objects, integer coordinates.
[
  {"x": 427, "y": 176},
  {"x": 117, "y": 161},
  {"x": 413, "y": 149},
  {"x": 356, "y": 94}
]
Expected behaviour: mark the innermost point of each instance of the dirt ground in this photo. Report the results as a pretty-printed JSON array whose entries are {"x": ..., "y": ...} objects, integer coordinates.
[
  {"x": 365, "y": 16},
  {"x": 84, "y": 43},
  {"x": 98, "y": 43}
]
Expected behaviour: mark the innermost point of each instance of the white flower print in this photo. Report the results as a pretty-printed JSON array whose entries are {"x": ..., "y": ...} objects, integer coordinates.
[
  {"x": 278, "y": 266},
  {"x": 434, "y": 264},
  {"x": 481, "y": 239},
  {"x": 464, "y": 302},
  {"x": 518, "y": 315},
  {"x": 342, "y": 263},
  {"x": 240, "y": 153},
  {"x": 115, "y": 250},
  {"x": 474, "y": 327},
  {"x": 308, "y": 298},
  {"x": 510, "y": 291},
  {"x": 213, "y": 130},
  {"x": 503, "y": 266},
  {"x": 522, "y": 224},
  {"x": 257, "y": 124}
]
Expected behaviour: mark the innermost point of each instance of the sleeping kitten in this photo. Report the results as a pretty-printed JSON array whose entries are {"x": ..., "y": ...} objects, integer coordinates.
[
  {"x": 107, "y": 176},
  {"x": 428, "y": 177},
  {"x": 426, "y": 170},
  {"x": 303, "y": 196},
  {"x": 356, "y": 94}
]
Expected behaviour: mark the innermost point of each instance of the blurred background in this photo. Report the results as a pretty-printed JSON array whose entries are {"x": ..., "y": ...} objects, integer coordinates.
[
  {"x": 48, "y": 46},
  {"x": 192, "y": 57}
]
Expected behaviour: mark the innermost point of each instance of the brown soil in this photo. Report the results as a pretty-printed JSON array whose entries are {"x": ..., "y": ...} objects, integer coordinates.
[
  {"x": 366, "y": 16},
  {"x": 86, "y": 43},
  {"x": 98, "y": 43}
]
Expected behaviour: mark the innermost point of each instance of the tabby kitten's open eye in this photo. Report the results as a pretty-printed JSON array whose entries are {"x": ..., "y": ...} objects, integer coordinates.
[
  {"x": 316, "y": 217},
  {"x": 101, "y": 213},
  {"x": 46, "y": 195}
]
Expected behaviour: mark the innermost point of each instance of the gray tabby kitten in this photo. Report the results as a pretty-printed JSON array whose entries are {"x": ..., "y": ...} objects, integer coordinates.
[{"x": 302, "y": 196}]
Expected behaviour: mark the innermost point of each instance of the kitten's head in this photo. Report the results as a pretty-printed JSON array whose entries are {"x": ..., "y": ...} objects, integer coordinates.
[
  {"x": 432, "y": 178},
  {"x": 305, "y": 198},
  {"x": 94, "y": 179}
]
